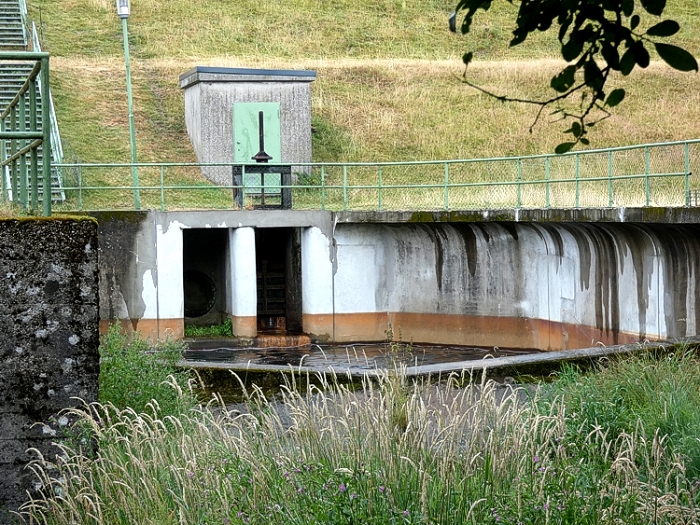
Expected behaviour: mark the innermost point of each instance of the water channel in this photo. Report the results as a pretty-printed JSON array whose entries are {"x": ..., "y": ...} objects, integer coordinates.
[
  {"x": 268, "y": 368},
  {"x": 357, "y": 357}
]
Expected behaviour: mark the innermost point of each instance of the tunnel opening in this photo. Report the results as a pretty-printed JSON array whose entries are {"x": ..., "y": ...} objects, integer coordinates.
[
  {"x": 278, "y": 265},
  {"x": 204, "y": 276}
]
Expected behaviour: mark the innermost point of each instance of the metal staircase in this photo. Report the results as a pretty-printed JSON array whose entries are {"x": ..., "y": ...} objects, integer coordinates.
[{"x": 14, "y": 37}]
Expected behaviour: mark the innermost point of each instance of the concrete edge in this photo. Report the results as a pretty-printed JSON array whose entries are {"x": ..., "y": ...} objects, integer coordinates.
[
  {"x": 498, "y": 366},
  {"x": 662, "y": 215}
]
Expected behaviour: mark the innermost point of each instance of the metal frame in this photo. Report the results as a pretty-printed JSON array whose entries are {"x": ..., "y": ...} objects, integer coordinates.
[
  {"x": 24, "y": 142},
  {"x": 285, "y": 172}
]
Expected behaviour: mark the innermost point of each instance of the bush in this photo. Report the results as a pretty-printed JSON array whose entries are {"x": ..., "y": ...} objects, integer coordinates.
[{"x": 134, "y": 372}]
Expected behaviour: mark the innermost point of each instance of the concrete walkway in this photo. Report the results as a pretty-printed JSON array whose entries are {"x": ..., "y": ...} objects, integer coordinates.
[{"x": 537, "y": 364}]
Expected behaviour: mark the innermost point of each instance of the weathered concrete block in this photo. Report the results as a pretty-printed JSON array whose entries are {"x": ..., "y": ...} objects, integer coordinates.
[
  {"x": 48, "y": 340},
  {"x": 210, "y": 93}
]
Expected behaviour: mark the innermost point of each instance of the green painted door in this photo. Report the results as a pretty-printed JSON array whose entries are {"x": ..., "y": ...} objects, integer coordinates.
[{"x": 246, "y": 141}]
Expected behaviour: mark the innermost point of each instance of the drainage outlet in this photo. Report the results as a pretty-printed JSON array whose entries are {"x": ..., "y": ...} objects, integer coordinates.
[{"x": 200, "y": 293}]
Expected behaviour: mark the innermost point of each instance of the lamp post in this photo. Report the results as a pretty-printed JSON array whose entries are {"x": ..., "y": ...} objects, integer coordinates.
[{"x": 123, "y": 10}]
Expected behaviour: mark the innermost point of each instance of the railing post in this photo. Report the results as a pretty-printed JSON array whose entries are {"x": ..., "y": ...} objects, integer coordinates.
[
  {"x": 447, "y": 186},
  {"x": 46, "y": 140},
  {"x": 578, "y": 182},
  {"x": 687, "y": 174},
  {"x": 519, "y": 187},
  {"x": 610, "y": 182},
  {"x": 23, "y": 195},
  {"x": 3, "y": 156},
  {"x": 80, "y": 188},
  {"x": 323, "y": 187},
  {"x": 646, "y": 172},
  {"x": 34, "y": 159},
  {"x": 14, "y": 181},
  {"x": 162, "y": 188},
  {"x": 379, "y": 189},
  {"x": 547, "y": 203},
  {"x": 345, "y": 187}
]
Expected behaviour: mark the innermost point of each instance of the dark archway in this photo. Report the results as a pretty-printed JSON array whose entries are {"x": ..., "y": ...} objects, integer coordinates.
[
  {"x": 278, "y": 265},
  {"x": 204, "y": 275}
]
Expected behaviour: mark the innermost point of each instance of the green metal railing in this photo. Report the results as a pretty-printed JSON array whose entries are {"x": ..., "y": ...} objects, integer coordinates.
[
  {"x": 646, "y": 175},
  {"x": 21, "y": 136}
]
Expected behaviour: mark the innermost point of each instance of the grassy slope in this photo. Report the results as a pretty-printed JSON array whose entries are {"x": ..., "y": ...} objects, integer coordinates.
[{"x": 388, "y": 77}]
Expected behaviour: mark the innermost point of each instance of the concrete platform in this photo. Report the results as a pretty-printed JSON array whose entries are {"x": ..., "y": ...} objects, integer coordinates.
[{"x": 537, "y": 364}]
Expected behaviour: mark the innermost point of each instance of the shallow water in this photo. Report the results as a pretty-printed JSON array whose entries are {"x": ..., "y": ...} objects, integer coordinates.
[{"x": 357, "y": 356}]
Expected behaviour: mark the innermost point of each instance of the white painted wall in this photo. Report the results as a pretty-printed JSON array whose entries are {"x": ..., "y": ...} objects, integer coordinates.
[
  {"x": 170, "y": 294},
  {"x": 317, "y": 257},
  {"x": 528, "y": 270}
]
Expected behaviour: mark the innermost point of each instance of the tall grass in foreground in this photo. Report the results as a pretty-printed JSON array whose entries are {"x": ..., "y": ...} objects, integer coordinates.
[
  {"x": 387, "y": 453},
  {"x": 662, "y": 392}
]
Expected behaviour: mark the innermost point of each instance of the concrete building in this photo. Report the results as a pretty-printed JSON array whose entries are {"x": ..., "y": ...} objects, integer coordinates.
[
  {"x": 543, "y": 279},
  {"x": 222, "y": 106}
]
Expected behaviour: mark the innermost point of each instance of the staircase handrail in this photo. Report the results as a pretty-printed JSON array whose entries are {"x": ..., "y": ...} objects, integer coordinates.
[
  {"x": 25, "y": 18},
  {"x": 56, "y": 147}
]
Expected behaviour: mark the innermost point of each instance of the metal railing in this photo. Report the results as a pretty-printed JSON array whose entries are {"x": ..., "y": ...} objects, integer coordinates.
[
  {"x": 646, "y": 175},
  {"x": 21, "y": 136}
]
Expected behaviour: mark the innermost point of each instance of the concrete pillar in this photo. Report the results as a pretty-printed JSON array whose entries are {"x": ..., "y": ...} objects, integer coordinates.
[
  {"x": 317, "y": 284},
  {"x": 164, "y": 286},
  {"x": 243, "y": 282}
]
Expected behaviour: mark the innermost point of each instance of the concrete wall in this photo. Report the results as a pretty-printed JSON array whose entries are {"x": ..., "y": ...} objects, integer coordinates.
[
  {"x": 209, "y": 97},
  {"x": 49, "y": 340},
  {"x": 141, "y": 265},
  {"x": 527, "y": 285},
  {"x": 545, "y": 285}
]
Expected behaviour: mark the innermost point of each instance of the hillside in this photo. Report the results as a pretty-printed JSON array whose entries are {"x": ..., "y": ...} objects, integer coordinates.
[{"x": 388, "y": 84}]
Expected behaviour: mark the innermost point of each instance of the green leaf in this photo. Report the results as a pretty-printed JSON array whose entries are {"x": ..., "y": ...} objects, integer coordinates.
[
  {"x": 585, "y": 141},
  {"x": 627, "y": 7},
  {"x": 654, "y": 7},
  {"x": 615, "y": 97},
  {"x": 665, "y": 28},
  {"x": 575, "y": 129},
  {"x": 627, "y": 62},
  {"x": 564, "y": 147},
  {"x": 571, "y": 49},
  {"x": 676, "y": 57},
  {"x": 467, "y": 58},
  {"x": 641, "y": 55},
  {"x": 564, "y": 80},
  {"x": 634, "y": 22},
  {"x": 610, "y": 55},
  {"x": 592, "y": 75}
]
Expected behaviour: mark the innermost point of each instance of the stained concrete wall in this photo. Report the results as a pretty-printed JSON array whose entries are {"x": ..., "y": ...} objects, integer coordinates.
[
  {"x": 536, "y": 284},
  {"x": 527, "y": 285},
  {"x": 209, "y": 97},
  {"x": 141, "y": 265},
  {"x": 49, "y": 340}
]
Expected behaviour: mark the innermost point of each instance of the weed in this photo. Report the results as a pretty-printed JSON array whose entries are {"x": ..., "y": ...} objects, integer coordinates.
[
  {"x": 218, "y": 330},
  {"x": 133, "y": 373}
]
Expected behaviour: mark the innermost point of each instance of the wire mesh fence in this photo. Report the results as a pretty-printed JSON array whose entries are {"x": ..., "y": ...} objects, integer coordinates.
[{"x": 649, "y": 175}]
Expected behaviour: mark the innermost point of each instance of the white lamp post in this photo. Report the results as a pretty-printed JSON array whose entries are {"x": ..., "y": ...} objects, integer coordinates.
[{"x": 124, "y": 10}]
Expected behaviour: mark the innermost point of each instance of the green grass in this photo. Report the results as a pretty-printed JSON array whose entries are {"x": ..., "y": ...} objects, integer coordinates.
[
  {"x": 395, "y": 452},
  {"x": 388, "y": 85},
  {"x": 218, "y": 330},
  {"x": 660, "y": 392},
  {"x": 133, "y": 373}
]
